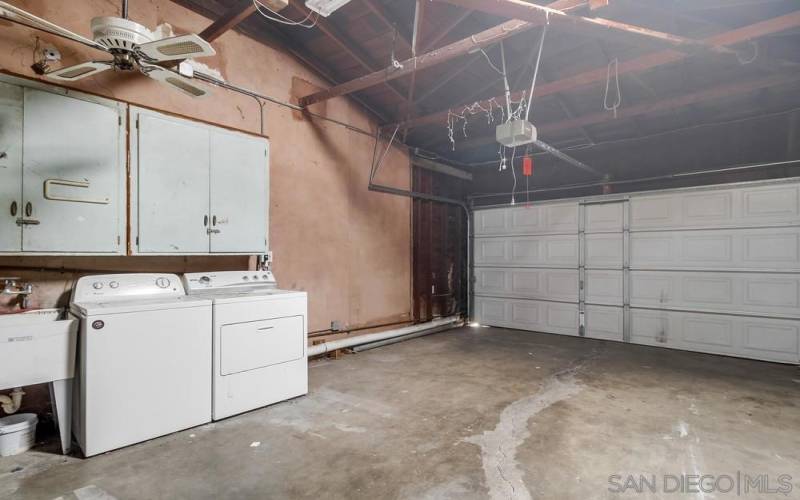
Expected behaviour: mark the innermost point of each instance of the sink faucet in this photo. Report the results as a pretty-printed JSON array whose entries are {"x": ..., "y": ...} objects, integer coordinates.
[{"x": 13, "y": 286}]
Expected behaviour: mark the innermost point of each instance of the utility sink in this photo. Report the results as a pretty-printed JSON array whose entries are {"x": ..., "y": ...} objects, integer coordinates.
[{"x": 37, "y": 347}]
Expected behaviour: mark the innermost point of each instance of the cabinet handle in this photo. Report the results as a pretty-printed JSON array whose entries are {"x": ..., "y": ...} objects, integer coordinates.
[
  {"x": 78, "y": 184},
  {"x": 214, "y": 221},
  {"x": 213, "y": 231},
  {"x": 28, "y": 222},
  {"x": 28, "y": 209},
  {"x": 13, "y": 209},
  {"x": 3, "y": 155},
  {"x": 205, "y": 221}
]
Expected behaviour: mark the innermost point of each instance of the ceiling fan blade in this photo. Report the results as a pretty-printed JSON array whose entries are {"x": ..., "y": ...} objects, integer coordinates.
[
  {"x": 78, "y": 71},
  {"x": 19, "y": 16},
  {"x": 174, "y": 80},
  {"x": 176, "y": 47}
]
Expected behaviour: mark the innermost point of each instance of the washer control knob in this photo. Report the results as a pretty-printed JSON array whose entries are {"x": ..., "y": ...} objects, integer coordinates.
[
  {"x": 245, "y": 278},
  {"x": 205, "y": 279},
  {"x": 114, "y": 284},
  {"x": 255, "y": 277},
  {"x": 97, "y": 285},
  {"x": 266, "y": 276},
  {"x": 162, "y": 282}
]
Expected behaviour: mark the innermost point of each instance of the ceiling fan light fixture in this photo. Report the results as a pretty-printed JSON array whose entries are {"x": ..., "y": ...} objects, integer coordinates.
[{"x": 325, "y": 7}]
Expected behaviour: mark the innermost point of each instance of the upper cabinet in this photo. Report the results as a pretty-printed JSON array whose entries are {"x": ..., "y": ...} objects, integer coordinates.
[
  {"x": 62, "y": 172},
  {"x": 195, "y": 188}
]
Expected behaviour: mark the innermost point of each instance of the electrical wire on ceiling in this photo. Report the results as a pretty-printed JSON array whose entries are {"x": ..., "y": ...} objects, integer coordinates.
[{"x": 272, "y": 15}]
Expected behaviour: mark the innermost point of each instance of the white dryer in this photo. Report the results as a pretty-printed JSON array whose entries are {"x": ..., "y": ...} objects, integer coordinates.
[
  {"x": 260, "y": 335},
  {"x": 144, "y": 360}
]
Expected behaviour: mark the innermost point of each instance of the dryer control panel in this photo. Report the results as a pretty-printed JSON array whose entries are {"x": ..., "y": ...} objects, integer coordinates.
[
  {"x": 109, "y": 287},
  {"x": 228, "y": 280}
]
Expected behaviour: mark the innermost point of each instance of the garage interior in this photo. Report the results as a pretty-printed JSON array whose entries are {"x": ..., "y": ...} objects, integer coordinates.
[{"x": 436, "y": 249}]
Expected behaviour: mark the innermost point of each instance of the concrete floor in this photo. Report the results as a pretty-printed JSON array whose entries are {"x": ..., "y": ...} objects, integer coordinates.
[{"x": 471, "y": 413}]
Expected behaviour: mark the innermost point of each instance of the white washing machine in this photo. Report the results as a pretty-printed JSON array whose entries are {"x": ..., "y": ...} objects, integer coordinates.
[
  {"x": 260, "y": 336},
  {"x": 144, "y": 360}
]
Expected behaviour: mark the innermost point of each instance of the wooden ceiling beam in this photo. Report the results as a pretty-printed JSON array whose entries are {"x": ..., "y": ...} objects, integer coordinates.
[
  {"x": 228, "y": 20},
  {"x": 531, "y": 12},
  {"x": 635, "y": 65},
  {"x": 665, "y": 105},
  {"x": 430, "y": 59}
]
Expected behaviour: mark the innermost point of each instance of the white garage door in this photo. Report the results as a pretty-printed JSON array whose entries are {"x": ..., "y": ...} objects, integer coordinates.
[{"x": 713, "y": 270}]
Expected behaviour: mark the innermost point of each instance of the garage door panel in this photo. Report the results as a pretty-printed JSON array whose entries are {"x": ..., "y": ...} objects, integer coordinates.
[
  {"x": 491, "y": 222},
  {"x": 717, "y": 208},
  {"x": 604, "y": 323},
  {"x": 546, "y": 284},
  {"x": 716, "y": 331},
  {"x": 490, "y": 251},
  {"x": 772, "y": 204},
  {"x": 491, "y": 311},
  {"x": 760, "y": 336},
  {"x": 604, "y": 250},
  {"x": 604, "y": 287},
  {"x": 534, "y": 315},
  {"x": 533, "y": 251},
  {"x": 766, "y": 339},
  {"x": 726, "y": 249},
  {"x": 559, "y": 218},
  {"x": 604, "y": 217},
  {"x": 740, "y": 293}
]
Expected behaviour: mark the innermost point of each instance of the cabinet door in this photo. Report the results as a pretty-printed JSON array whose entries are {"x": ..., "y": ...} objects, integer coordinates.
[
  {"x": 71, "y": 175},
  {"x": 172, "y": 159},
  {"x": 10, "y": 167},
  {"x": 239, "y": 193}
]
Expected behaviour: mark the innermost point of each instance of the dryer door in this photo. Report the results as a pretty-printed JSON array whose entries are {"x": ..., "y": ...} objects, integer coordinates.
[{"x": 258, "y": 344}]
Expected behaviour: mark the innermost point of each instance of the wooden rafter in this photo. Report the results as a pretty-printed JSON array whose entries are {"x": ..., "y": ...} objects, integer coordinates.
[
  {"x": 637, "y": 64},
  {"x": 228, "y": 20},
  {"x": 519, "y": 9},
  {"x": 430, "y": 59}
]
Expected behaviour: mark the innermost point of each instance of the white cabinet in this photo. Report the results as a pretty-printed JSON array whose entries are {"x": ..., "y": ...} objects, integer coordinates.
[
  {"x": 172, "y": 184},
  {"x": 10, "y": 167},
  {"x": 62, "y": 180},
  {"x": 239, "y": 193},
  {"x": 196, "y": 189}
]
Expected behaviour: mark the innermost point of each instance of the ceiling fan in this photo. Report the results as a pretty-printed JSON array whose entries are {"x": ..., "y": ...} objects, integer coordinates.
[{"x": 132, "y": 47}]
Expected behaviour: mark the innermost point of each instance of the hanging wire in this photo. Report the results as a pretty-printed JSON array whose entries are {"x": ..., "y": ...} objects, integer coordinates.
[
  {"x": 489, "y": 60},
  {"x": 514, "y": 174},
  {"x": 618, "y": 101},
  {"x": 272, "y": 15}
]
